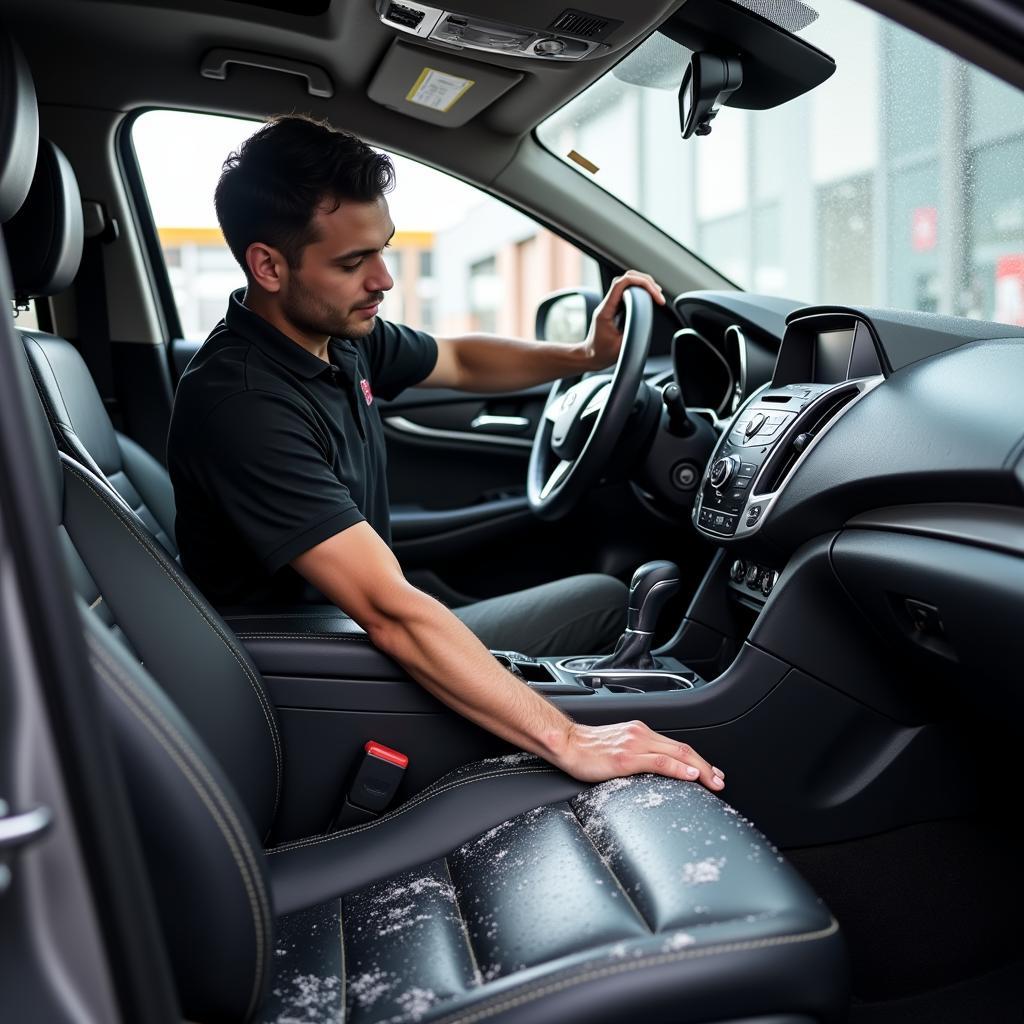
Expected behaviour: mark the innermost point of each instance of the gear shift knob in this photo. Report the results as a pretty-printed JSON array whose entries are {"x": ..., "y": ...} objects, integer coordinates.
[{"x": 652, "y": 585}]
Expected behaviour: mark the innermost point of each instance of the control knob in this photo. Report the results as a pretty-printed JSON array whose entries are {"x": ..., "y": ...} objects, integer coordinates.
[
  {"x": 722, "y": 471},
  {"x": 768, "y": 580},
  {"x": 738, "y": 570}
]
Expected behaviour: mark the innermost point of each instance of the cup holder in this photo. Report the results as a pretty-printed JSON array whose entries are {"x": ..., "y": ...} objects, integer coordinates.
[{"x": 640, "y": 682}]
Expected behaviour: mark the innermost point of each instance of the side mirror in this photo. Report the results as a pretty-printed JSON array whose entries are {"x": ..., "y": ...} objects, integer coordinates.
[
  {"x": 708, "y": 82},
  {"x": 565, "y": 315}
]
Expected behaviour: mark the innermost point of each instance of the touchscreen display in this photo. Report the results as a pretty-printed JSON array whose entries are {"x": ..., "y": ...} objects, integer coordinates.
[{"x": 832, "y": 351}]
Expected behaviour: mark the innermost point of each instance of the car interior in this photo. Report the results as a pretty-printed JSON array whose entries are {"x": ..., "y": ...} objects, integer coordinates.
[{"x": 818, "y": 508}]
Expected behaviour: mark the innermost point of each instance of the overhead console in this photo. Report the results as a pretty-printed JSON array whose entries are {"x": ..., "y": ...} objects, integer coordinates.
[{"x": 826, "y": 362}]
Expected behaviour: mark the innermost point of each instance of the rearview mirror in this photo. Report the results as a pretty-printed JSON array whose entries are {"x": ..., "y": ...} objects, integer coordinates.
[
  {"x": 708, "y": 82},
  {"x": 565, "y": 315}
]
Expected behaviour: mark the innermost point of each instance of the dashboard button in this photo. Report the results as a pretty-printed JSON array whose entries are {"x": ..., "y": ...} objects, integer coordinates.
[
  {"x": 753, "y": 575},
  {"x": 738, "y": 570},
  {"x": 757, "y": 421},
  {"x": 753, "y": 514},
  {"x": 747, "y": 469},
  {"x": 768, "y": 581},
  {"x": 684, "y": 475}
]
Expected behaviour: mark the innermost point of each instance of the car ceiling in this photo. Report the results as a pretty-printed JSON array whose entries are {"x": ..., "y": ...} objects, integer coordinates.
[{"x": 124, "y": 56}]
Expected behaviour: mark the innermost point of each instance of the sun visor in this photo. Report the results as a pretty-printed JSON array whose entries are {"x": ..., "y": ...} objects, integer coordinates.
[{"x": 435, "y": 87}]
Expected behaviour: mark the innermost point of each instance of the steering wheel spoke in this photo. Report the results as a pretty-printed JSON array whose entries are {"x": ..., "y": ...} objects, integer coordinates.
[
  {"x": 597, "y": 401},
  {"x": 558, "y": 474}
]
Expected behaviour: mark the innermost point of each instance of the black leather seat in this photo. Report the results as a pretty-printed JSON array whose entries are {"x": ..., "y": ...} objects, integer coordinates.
[
  {"x": 46, "y": 240},
  {"x": 506, "y": 891}
]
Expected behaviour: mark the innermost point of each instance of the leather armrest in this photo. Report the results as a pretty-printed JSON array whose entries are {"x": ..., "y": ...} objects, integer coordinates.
[{"x": 311, "y": 641}]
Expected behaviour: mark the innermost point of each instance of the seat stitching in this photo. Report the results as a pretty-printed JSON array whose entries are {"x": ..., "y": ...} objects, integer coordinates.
[
  {"x": 409, "y": 805},
  {"x": 657, "y": 960},
  {"x": 56, "y": 384},
  {"x": 477, "y": 975},
  {"x": 76, "y": 471},
  {"x": 48, "y": 405},
  {"x": 611, "y": 871},
  {"x": 256, "y": 908}
]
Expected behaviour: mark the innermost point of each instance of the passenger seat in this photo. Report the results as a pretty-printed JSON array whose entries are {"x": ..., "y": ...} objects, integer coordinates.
[{"x": 45, "y": 240}]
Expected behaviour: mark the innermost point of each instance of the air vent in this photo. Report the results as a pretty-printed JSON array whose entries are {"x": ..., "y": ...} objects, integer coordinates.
[
  {"x": 404, "y": 16},
  {"x": 811, "y": 424},
  {"x": 585, "y": 26}
]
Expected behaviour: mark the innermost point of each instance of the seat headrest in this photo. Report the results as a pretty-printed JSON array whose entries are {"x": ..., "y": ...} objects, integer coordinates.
[
  {"x": 44, "y": 238},
  {"x": 19, "y": 128}
]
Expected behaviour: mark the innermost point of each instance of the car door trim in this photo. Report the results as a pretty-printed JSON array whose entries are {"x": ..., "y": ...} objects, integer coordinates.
[{"x": 403, "y": 425}]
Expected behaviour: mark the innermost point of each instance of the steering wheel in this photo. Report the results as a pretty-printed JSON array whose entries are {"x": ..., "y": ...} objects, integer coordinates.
[{"x": 584, "y": 418}]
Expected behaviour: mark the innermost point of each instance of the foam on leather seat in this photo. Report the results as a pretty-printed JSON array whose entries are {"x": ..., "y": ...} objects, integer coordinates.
[{"x": 641, "y": 877}]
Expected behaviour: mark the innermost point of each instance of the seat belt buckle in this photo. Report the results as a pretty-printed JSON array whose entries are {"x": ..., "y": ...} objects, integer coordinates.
[{"x": 373, "y": 786}]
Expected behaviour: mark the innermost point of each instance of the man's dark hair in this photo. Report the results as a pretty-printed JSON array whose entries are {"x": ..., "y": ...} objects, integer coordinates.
[{"x": 271, "y": 187}]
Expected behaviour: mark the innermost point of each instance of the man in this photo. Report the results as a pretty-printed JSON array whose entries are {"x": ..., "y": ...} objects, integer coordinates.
[{"x": 276, "y": 447}]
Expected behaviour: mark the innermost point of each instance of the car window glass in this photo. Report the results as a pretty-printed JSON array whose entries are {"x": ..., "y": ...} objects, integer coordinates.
[
  {"x": 462, "y": 260},
  {"x": 894, "y": 183},
  {"x": 27, "y": 319}
]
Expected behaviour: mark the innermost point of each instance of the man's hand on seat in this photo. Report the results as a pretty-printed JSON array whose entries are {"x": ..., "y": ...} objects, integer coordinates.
[
  {"x": 358, "y": 572},
  {"x": 594, "y": 753}
]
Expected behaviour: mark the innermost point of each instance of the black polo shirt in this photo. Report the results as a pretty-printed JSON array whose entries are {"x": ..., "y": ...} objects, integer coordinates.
[{"x": 272, "y": 450}]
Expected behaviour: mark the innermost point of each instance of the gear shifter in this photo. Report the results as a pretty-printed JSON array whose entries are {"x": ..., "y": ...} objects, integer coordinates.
[{"x": 653, "y": 584}]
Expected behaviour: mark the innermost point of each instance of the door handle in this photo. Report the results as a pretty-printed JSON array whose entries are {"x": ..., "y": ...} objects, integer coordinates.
[
  {"x": 18, "y": 830},
  {"x": 489, "y": 422}
]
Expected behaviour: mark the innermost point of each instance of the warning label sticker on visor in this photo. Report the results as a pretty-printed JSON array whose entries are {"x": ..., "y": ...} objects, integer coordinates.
[{"x": 438, "y": 90}]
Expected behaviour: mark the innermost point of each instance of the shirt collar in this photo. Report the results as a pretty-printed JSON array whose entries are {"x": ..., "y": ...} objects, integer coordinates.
[{"x": 271, "y": 342}]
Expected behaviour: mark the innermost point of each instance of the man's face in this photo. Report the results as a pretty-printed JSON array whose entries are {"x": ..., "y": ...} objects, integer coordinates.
[{"x": 342, "y": 278}]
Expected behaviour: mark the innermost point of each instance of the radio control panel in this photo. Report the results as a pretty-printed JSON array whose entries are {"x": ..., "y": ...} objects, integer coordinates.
[{"x": 727, "y": 499}]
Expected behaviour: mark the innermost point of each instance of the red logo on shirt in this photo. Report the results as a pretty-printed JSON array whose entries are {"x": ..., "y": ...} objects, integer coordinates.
[{"x": 367, "y": 393}]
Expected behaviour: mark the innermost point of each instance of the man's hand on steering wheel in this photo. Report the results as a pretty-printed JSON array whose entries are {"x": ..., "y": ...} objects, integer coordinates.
[{"x": 605, "y": 336}]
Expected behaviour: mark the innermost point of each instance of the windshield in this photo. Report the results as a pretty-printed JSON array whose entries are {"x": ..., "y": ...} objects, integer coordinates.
[{"x": 897, "y": 182}]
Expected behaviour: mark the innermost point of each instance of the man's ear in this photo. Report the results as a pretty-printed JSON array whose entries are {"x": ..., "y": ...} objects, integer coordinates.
[{"x": 267, "y": 267}]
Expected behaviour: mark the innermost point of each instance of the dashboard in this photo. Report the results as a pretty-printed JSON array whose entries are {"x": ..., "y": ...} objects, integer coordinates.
[
  {"x": 863, "y": 409},
  {"x": 867, "y": 499}
]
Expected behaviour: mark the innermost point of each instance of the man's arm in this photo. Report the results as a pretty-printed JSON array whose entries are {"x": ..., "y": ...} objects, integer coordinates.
[
  {"x": 357, "y": 571},
  {"x": 485, "y": 362}
]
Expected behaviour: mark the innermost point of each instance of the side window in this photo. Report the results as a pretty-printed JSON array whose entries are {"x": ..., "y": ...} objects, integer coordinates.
[{"x": 462, "y": 260}]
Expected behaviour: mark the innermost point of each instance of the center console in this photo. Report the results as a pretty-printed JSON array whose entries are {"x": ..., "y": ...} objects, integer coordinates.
[{"x": 826, "y": 363}]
